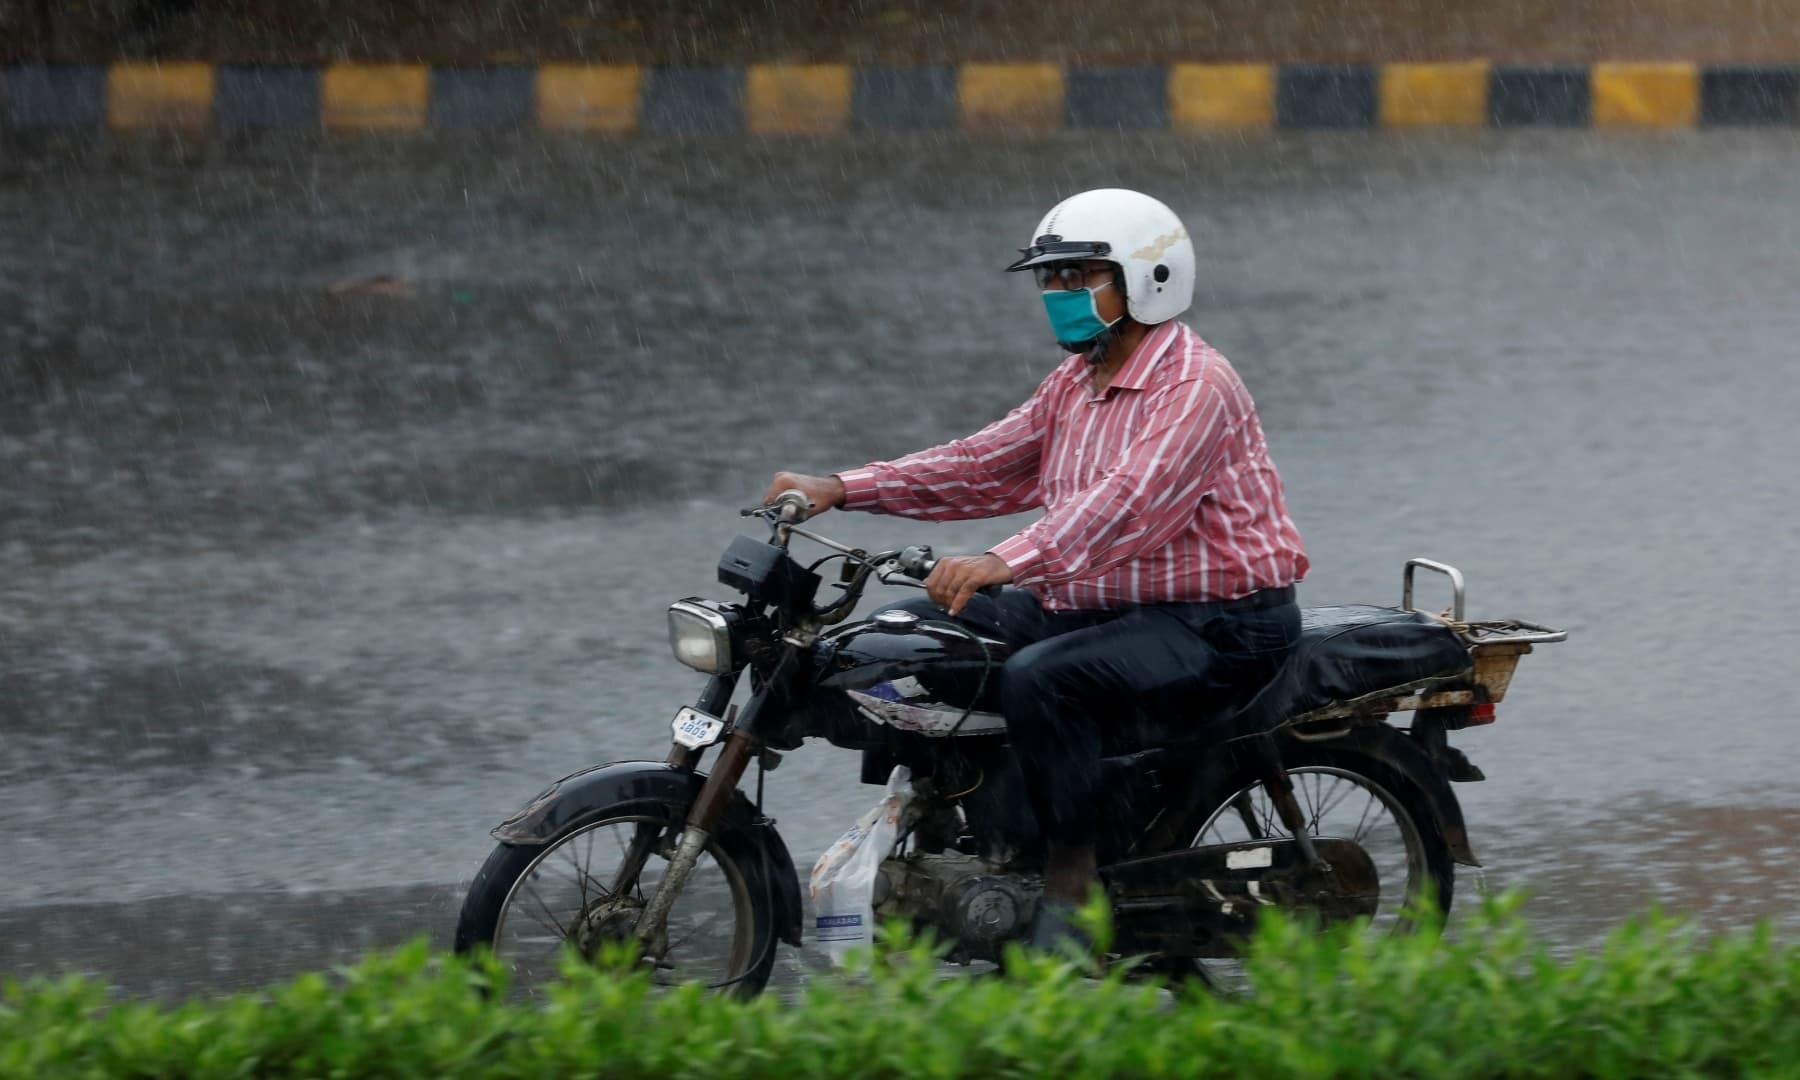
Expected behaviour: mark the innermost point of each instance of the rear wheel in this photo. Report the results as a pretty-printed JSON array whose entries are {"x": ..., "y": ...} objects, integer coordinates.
[
  {"x": 586, "y": 888},
  {"x": 1344, "y": 796}
]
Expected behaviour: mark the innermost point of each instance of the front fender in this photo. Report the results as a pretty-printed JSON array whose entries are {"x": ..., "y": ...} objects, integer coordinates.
[{"x": 750, "y": 840}]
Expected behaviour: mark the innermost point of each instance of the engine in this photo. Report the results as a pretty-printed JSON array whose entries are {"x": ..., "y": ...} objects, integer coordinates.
[{"x": 960, "y": 896}]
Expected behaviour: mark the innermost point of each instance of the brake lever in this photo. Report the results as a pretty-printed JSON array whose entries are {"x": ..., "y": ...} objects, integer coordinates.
[{"x": 897, "y": 575}]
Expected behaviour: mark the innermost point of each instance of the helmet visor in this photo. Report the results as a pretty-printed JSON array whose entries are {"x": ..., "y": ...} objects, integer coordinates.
[{"x": 1047, "y": 250}]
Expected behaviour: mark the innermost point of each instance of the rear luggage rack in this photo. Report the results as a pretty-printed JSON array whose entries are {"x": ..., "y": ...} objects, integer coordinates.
[
  {"x": 1495, "y": 646},
  {"x": 1491, "y": 632},
  {"x": 1486, "y": 632}
]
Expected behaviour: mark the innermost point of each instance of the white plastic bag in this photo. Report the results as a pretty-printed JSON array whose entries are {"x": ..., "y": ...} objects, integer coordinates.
[{"x": 843, "y": 880}]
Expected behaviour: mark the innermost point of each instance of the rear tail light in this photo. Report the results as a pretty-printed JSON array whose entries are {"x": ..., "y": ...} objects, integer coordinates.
[{"x": 1482, "y": 714}]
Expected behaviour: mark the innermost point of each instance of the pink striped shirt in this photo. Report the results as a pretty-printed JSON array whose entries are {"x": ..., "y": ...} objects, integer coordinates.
[{"x": 1159, "y": 490}]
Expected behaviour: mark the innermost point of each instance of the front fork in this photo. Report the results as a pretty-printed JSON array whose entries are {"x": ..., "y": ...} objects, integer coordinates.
[
  {"x": 709, "y": 806},
  {"x": 741, "y": 746},
  {"x": 643, "y": 841}
]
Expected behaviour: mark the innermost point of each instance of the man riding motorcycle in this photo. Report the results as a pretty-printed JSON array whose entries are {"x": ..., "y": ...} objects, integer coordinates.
[{"x": 1162, "y": 571}]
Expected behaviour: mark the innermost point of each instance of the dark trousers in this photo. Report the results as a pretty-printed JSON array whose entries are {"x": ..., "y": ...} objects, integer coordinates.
[{"x": 1086, "y": 683}]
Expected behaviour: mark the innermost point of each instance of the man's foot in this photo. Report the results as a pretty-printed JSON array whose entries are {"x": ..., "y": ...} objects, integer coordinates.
[{"x": 1058, "y": 930}]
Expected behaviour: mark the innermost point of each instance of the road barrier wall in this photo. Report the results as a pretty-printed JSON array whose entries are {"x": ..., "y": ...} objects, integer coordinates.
[{"x": 827, "y": 99}]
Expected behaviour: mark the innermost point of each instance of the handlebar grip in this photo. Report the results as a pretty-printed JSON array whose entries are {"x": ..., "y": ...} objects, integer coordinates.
[
  {"x": 926, "y": 566},
  {"x": 917, "y": 561},
  {"x": 792, "y": 506}
]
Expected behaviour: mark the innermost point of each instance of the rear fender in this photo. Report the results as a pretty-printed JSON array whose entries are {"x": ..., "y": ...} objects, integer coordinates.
[
  {"x": 1394, "y": 749},
  {"x": 751, "y": 841}
]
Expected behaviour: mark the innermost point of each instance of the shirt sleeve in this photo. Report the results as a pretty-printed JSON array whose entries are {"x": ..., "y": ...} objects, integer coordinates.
[
  {"x": 1141, "y": 503},
  {"x": 990, "y": 473}
]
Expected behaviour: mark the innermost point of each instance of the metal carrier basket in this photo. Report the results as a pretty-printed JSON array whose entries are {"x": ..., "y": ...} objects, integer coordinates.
[{"x": 1495, "y": 646}]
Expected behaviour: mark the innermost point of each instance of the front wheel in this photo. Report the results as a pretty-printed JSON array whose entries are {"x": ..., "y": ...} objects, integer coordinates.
[{"x": 586, "y": 887}]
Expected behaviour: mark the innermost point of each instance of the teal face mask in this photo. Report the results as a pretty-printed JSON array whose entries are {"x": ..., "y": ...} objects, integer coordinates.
[{"x": 1075, "y": 318}]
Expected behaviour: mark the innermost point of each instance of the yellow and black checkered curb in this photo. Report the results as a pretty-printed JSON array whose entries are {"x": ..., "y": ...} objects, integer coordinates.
[{"x": 831, "y": 98}]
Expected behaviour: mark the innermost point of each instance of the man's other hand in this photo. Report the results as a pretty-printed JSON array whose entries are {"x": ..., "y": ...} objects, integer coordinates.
[
  {"x": 956, "y": 578},
  {"x": 823, "y": 492}
]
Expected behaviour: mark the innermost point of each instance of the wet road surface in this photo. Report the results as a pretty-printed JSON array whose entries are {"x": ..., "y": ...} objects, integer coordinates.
[{"x": 342, "y": 487}]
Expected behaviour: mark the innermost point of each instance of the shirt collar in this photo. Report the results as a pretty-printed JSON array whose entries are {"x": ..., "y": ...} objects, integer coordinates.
[{"x": 1135, "y": 375}]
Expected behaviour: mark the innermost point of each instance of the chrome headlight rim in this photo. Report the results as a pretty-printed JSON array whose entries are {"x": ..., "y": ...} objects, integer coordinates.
[{"x": 700, "y": 635}]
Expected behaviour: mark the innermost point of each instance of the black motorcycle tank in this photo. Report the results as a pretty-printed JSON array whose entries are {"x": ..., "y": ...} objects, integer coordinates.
[{"x": 953, "y": 667}]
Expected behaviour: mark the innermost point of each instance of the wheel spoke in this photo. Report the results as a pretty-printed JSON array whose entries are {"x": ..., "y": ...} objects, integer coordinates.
[
  {"x": 696, "y": 926},
  {"x": 1328, "y": 798},
  {"x": 579, "y": 866},
  {"x": 1350, "y": 788},
  {"x": 580, "y": 881},
  {"x": 635, "y": 856},
  {"x": 587, "y": 865},
  {"x": 554, "y": 924},
  {"x": 1266, "y": 824},
  {"x": 1361, "y": 821}
]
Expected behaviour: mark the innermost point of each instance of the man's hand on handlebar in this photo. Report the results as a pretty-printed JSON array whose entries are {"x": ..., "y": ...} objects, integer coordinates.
[
  {"x": 952, "y": 582},
  {"x": 824, "y": 492},
  {"x": 957, "y": 578}
]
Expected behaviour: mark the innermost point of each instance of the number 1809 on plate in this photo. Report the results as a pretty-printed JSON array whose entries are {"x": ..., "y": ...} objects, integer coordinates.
[{"x": 694, "y": 729}]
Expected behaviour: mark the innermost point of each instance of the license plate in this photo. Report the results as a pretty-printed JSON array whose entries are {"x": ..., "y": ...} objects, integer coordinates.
[
  {"x": 694, "y": 729},
  {"x": 1256, "y": 858}
]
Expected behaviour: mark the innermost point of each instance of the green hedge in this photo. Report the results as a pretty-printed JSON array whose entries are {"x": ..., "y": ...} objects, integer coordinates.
[{"x": 1656, "y": 999}]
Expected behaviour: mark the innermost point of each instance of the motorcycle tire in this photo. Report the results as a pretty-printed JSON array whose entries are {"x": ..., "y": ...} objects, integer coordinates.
[
  {"x": 486, "y": 905},
  {"x": 1435, "y": 867}
]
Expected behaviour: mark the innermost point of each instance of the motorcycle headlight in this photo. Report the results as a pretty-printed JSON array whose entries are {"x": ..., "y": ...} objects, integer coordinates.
[{"x": 700, "y": 634}]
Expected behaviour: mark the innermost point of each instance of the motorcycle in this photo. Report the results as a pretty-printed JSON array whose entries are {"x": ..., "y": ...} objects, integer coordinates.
[{"x": 1305, "y": 796}]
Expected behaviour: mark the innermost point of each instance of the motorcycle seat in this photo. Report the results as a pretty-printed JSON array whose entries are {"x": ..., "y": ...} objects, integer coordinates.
[
  {"x": 1343, "y": 653},
  {"x": 1348, "y": 652}
]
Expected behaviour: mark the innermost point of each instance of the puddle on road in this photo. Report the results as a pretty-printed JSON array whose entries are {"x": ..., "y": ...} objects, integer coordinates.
[{"x": 1725, "y": 867}]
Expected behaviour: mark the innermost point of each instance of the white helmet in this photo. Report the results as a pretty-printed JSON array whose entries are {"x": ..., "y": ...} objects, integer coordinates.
[{"x": 1138, "y": 234}]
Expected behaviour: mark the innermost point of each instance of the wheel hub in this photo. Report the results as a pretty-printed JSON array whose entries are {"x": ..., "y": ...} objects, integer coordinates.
[
  {"x": 612, "y": 919},
  {"x": 1350, "y": 890}
]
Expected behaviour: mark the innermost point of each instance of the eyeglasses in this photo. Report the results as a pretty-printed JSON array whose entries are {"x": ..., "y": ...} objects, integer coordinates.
[{"x": 1065, "y": 275}]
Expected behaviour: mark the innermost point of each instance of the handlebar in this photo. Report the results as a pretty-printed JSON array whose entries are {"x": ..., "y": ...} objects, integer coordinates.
[
  {"x": 791, "y": 507},
  {"x": 908, "y": 566}
]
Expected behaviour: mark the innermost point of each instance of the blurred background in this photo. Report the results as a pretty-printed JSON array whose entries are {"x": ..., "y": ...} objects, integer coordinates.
[
  {"x": 892, "y": 31},
  {"x": 344, "y": 478}
]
